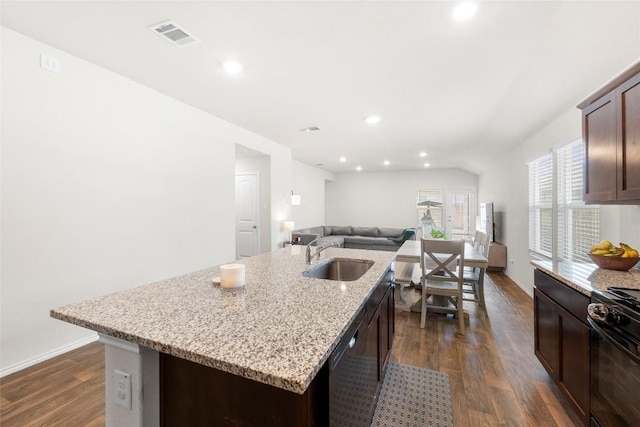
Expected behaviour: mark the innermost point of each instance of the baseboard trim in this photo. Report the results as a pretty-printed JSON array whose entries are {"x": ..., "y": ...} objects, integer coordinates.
[{"x": 48, "y": 355}]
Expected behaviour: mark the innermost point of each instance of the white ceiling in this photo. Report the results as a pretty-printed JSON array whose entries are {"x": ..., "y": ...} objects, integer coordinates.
[{"x": 462, "y": 92}]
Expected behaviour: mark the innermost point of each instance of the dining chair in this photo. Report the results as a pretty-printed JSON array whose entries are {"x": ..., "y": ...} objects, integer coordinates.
[
  {"x": 441, "y": 276},
  {"x": 473, "y": 277},
  {"x": 477, "y": 238}
]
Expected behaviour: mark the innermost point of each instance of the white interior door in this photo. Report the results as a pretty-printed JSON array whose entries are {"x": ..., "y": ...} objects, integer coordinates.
[
  {"x": 247, "y": 215},
  {"x": 460, "y": 211}
]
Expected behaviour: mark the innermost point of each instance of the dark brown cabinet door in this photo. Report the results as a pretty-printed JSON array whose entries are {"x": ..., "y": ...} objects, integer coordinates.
[
  {"x": 611, "y": 134},
  {"x": 383, "y": 343},
  {"x": 562, "y": 339},
  {"x": 599, "y": 136},
  {"x": 546, "y": 334},
  {"x": 628, "y": 113},
  {"x": 573, "y": 375},
  {"x": 392, "y": 315}
]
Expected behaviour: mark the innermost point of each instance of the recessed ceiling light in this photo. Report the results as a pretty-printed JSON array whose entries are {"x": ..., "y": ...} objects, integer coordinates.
[
  {"x": 343, "y": 159},
  {"x": 423, "y": 154},
  {"x": 372, "y": 120},
  {"x": 358, "y": 168},
  {"x": 310, "y": 129},
  {"x": 464, "y": 11},
  {"x": 386, "y": 162},
  {"x": 232, "y": 67},
  {"x": 426, "y": 165}
]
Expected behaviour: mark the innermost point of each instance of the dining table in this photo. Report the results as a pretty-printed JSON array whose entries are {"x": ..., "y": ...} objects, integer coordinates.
[
  {"x": 409, "y": 252},
  {"x": 408, "y": 270}
]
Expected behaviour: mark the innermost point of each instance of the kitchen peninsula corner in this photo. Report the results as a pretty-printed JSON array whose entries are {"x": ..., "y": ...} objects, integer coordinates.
[{"x": 214, "y": 347}]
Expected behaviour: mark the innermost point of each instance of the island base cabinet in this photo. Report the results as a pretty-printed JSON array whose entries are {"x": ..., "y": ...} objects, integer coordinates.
[
  {"x": 192, "y": 394},
  {"x": 196, "y": 395},
  {"x": 562, "y": 340}
]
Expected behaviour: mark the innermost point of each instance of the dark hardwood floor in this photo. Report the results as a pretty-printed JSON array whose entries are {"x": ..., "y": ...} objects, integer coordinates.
[
  {"x": 495, "y": 377},
  {"x": 496, "y": 380},
  {"x": 67, "y": 390}
]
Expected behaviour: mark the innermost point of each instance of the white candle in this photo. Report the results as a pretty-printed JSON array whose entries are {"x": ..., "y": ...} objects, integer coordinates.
[{"x": 232, "y": 275}]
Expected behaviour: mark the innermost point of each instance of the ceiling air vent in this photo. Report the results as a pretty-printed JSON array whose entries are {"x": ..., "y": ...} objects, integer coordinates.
[{"x": 173, "y": 33}]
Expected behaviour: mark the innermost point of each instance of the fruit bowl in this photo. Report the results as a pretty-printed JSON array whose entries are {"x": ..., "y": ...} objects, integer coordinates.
[{"x": 614, "y": 262}]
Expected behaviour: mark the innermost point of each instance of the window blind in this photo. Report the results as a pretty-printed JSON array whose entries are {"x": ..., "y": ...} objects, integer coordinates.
[
  {"x": 577, "y": 225},
  {"x": 541, "y": 205}
]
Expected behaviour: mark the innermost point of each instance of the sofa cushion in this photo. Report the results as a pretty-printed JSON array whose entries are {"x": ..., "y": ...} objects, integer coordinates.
[
  {"x": 365, "y": 231},
  {"x": 360, "y": 240},
  {"x": 342, "y": 231},
  {"x": 331, "y": 240},
  {"x": 327, "y": 230},
  {"x": 390, "y": 232},
  {"x": 384, "y": 241}
]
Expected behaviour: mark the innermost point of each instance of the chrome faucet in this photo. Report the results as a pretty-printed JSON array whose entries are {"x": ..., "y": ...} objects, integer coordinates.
[{"x": 308, "y": 257}]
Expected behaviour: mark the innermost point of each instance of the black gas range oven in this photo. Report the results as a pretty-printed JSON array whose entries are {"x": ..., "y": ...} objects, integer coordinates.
[{"x": 614, "y": 317}]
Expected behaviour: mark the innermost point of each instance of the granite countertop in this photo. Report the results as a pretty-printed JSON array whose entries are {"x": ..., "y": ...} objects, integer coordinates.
[
  {"x": 278, "y": 329},
  {"x": 587, "y": 277}
]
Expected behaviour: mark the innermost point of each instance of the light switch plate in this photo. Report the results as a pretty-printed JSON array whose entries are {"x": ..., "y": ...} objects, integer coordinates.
[{"x": 49, "y": 63}]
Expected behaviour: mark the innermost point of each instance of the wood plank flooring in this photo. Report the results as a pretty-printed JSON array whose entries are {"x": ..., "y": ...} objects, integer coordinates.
[
  {"x": 67, "y": 390},
  {"x": 495, "y": 378}
]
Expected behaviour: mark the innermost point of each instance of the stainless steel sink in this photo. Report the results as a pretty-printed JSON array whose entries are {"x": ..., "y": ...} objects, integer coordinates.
[{"x": 341, "y": 269}]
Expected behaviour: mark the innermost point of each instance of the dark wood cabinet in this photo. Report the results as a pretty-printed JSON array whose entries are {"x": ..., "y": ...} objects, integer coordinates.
[
  {"x": 628, "y": 122},
  {"x": 573, "y": 375},
  {"x": 562, "y": 339},
  {"x": 194, "y": 394},
  {"x": 386, "y": 324},
  {"x": 599, "y": 136},
  {"x": 611, "y": 134},
  {"x": 546, "y": 335}
]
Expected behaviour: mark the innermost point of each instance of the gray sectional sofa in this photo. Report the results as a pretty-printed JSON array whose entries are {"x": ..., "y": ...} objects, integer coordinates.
[{"x": 375, "y": 238}]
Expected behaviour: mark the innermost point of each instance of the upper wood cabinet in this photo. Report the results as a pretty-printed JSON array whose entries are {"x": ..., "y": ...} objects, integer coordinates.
[{"x": 611, "y": 134}]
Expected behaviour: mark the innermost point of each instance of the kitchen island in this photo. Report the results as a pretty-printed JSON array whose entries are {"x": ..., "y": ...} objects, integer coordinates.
[{"x": 278, "y": 331}]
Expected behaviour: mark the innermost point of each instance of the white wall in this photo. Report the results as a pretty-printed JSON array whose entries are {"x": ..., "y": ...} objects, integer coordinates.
[
  {"x": 106, "y": 185},
  {"x": 309, "y": 183},
  {"x": 385, "y": 199},
  {"x": 261, "y": 166},
  {"x": 506, "y": 184}
]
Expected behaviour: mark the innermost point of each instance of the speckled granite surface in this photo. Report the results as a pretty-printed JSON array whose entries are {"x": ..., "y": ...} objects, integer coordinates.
[
  {"x": 585, "y": 277},
  {"x": 278, "y": 329}
]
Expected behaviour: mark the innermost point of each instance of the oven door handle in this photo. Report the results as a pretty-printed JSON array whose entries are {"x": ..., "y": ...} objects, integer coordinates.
[{"x": 615, "y": 343}]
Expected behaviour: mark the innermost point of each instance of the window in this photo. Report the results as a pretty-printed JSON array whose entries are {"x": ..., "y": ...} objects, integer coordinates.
[
  {"x": 578, "y": 224},
  {"x": 555, "y": 204},
  {"x": 452, "y": 210},
  {"x": 540, "y": 205},
  {"x": 430, "y": 203}
]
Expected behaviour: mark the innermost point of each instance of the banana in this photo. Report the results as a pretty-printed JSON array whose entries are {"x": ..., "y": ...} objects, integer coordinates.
[
  {"x": 604, "y": 244},
  {"x": 600, "y": 252},
  {"x": 608, "y": 249},
  {"x": 629, "y": 252},
  {"x": 616, "y": 254}
]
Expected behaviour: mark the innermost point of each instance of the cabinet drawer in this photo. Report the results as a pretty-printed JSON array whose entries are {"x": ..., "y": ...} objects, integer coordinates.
[{"x": 569, "y": 299}]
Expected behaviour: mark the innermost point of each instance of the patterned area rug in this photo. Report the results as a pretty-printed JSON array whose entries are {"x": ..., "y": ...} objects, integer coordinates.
[{"x": 413, "y": 397}]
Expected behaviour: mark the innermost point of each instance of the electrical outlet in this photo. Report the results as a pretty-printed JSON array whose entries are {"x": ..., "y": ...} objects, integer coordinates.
[{"x": 122, "y": 388}]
